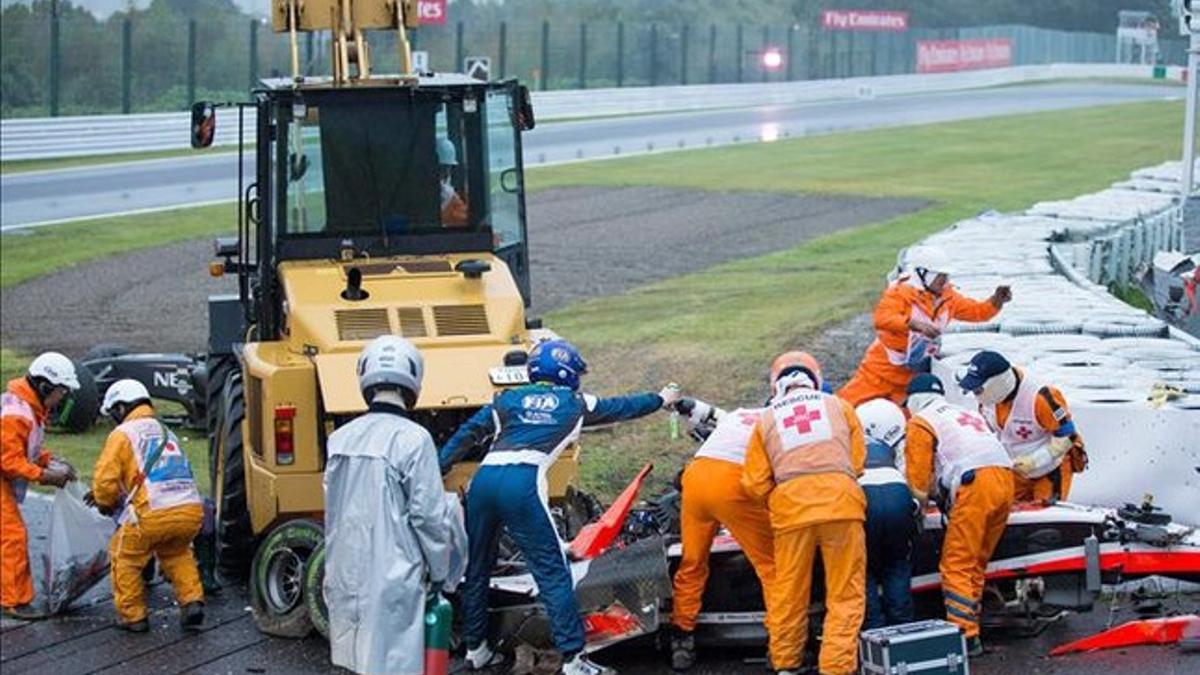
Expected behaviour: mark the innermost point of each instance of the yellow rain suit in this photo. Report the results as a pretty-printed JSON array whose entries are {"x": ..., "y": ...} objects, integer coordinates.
[
  {"x": 981, "y": 503},
  {"x": 164, "y": 517},
  {"x": 713, "y": 496},
  {"x": 805, "y": 454}
]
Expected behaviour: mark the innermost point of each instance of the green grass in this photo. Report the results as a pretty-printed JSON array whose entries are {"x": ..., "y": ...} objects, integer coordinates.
[
  {"x": 81, "y": 450},
  {"x": 25, "y": 165},
  {"x": 1132, "y": 295},
  {"x": 715, "y": 330},
  {"x": 26, "y": 254}
]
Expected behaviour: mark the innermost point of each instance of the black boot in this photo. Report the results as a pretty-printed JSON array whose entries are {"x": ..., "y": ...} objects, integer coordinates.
[
  {"x": 26, "y": 612},
  {"x": 974, "y": 647},
  {"x": 683, "y": 649},
  {"x": 191, "y": 616}
]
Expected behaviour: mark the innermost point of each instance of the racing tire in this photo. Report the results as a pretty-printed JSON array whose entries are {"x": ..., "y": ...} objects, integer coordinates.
[
  {"x": 277, "y": 579},
  {"x": 84, "y": 403},
  {"x": 314, "y": 591},
  {"x": 234, "y": 538}
]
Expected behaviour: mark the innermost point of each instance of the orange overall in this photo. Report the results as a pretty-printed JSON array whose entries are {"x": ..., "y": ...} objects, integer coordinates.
[
  {"x": 975, "y": 523},
  {"x": 1049, "y": 415},
  {"x": 882, "y": 373},
  {"x": 804, "y": 456},
  {"x": 163, "y": 523},
  {"x": 22, "y": 459}
]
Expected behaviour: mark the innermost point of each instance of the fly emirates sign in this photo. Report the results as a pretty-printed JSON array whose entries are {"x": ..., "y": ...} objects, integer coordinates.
[{"x": 851, "y": 19}]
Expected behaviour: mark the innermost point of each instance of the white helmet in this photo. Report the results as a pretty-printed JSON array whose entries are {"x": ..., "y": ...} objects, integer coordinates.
[
  {"x": 391, "y": 360},
  {"x": 882, "y": 421},
  {"x": 56, "y": 369},
  {"x": 927, "y": 262},
  {"x": 123, "y": 391}
]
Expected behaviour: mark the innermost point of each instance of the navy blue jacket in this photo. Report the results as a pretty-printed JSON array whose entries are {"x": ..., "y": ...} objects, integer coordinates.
[{"x": 536, "y": 422}]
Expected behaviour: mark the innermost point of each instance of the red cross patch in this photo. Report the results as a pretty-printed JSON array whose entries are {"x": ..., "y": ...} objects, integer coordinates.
[
  {"x": 1024, "y": 433},
  {"x": 802, "y": 419},
  {"x": 968, "y": 420},
  {"x": 748, "y": 419}
]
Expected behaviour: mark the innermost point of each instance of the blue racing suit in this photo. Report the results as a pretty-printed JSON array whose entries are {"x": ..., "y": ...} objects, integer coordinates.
[
  {"x": 891, "y": 533},
  {"x": 528, "y": 427}
]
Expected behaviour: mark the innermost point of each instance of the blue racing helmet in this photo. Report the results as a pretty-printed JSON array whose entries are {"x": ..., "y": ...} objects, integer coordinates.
[
  {"x": 557, "y": 362},
  {"x": 880, "y": 455}
]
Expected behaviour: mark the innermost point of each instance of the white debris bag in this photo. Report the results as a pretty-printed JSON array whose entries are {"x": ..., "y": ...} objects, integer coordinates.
[{"x": 76, "y": 558}]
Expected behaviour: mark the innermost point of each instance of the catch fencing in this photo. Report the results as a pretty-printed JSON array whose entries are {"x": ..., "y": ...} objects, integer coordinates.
[{"x": 75, "y": 64}]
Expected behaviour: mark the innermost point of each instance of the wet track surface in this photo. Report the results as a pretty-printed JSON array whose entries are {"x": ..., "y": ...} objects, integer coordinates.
[
  {"x": 74, "y": 193},
  {"x": 84, "y": 641}
]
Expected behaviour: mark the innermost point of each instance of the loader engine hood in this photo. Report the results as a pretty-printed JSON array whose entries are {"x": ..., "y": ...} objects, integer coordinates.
[{"x": 463, "y": 325}]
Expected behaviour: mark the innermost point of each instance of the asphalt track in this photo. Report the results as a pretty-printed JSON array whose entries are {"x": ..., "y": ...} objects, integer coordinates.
[
  {"x": 85, "y": 641},
  {"x": 50, "y": 196}
]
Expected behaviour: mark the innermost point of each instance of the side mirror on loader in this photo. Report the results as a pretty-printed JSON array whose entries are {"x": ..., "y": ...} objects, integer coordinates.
[
  {"x": 525, "y": 120},
  {"x": 204, "y": 124}
]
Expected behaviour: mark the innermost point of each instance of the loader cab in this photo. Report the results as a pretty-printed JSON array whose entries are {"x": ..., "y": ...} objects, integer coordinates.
[{"x": 370, "y": 172}]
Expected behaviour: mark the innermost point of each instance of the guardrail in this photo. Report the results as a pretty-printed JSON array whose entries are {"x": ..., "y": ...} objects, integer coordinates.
[{"x": 54, "y": 137}]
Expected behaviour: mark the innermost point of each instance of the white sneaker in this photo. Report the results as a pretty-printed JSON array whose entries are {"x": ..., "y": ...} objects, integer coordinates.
[
  {"x": 581, "y": 665},
  {"x": 483, "y": 657}
]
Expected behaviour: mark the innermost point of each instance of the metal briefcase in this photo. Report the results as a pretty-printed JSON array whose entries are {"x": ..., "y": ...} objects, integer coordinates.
[{"x": 925, "y": 647}]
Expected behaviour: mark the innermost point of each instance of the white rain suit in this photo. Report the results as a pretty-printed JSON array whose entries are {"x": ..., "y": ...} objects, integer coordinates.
[{"x": 390, "y": 533}]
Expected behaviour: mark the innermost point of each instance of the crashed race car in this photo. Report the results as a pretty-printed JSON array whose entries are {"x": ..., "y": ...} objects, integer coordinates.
[{"x": 1052, "y": 558}]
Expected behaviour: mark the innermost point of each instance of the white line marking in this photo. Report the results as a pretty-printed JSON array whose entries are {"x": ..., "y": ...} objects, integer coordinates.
[{"x": 116, "y": 214}]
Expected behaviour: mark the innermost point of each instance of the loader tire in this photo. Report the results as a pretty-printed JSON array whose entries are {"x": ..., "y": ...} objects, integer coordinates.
[
  {"x": 314, "y": 591},
  {"x": 277, "y": 578},
  {"x": 234, "y": 538},
  {"x": 217, "y": 371}
]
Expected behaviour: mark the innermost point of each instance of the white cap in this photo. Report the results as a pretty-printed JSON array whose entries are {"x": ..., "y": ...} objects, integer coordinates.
[
  {"x": 123, "y": 391},
  {"x": 929, "y": 258},
  {"x": 55, "y": 369}
]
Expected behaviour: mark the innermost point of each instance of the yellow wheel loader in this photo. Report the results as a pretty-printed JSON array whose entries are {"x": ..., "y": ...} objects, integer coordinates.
[{"x": 378, "y": 205}]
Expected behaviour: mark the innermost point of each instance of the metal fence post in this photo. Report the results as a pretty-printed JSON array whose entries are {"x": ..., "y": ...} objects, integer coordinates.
[
  {"x": 191, "y": 62},
  {"x": 253, "y": 79},
  {"x": 503, "y": 49},
  {"x": 583, "y": 56},
  {"x": 126, "y": 66},
  {"x": 653, "y": 54},
  {"x": 55, "y": 57},
  {"x": 741, "y": 56},
  {"x": 459, "y": 54},
  {"x": 545, "y": 54},
  {"x": 851, "y": 45},
  {"x": 874, "y": 54},
  {"x": 683, "y": 54},
  {"x": 766, "y": 75},
  {"x": 712, "y": 53},
  {"x": 791, "y": 47},
  {"x": 620, "y": 53}
]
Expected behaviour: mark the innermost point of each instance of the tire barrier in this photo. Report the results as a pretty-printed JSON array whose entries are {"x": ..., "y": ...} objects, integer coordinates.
[{"x": 1132, "y": 382}]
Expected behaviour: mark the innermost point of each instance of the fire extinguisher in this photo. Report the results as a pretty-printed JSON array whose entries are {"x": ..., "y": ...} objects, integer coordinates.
[{"x": 438, "y": 617}]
